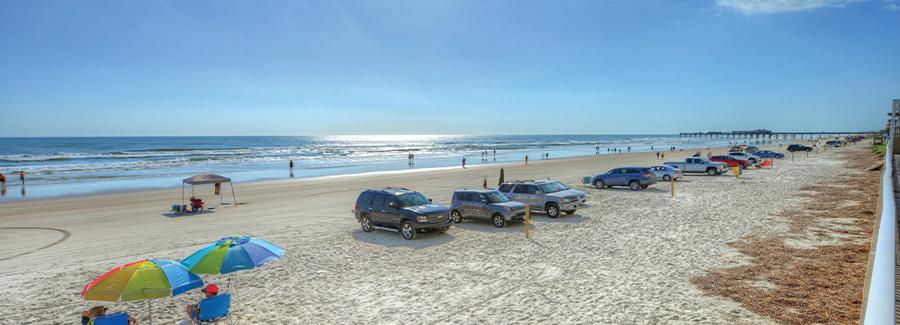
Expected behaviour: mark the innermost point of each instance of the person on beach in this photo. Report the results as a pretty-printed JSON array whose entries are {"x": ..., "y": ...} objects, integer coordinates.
[
  {"x": 657, "y": 155},
  {"x": 526, "y": 159},
  {"x": 629, "y": 149},
  {"x": 464, "y": 162},
  {"x": 2, "y": 180},
  {"x": 87, "y": 316},
  {"x": 211, "y": 290},
  {"x": 291, "y": 164},
  {"x": 662, "y": 155},
  {"x": 22, "y": 177}
]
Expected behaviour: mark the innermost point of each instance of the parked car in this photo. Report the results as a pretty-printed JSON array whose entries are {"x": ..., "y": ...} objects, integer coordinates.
[
  {"x": 798, "y": 147},
  {"x": 833, "y": 144},
  {"x": 549, "y": 196},
  {"x": 487, "y": 205},
  {"x": 635, "y": 178},
  {"x": 666, "y": 173},
  {"x": 698, "y": 165},
  {"x": 736, "y": 148},
  {"x": 752, "y": 159},
  {"x": 400, "y": 210},
  {"x": 730, "y": 161},
  {"x": 769, "y": 154}
]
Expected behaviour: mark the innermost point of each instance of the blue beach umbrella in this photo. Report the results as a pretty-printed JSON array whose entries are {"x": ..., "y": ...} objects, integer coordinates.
[{"x": 231, "y": 254}]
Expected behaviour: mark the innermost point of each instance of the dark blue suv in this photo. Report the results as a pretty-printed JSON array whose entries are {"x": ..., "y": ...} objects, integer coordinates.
[
  {"x": 634, "y": 177},
  {"x": 400, "y": 210}
]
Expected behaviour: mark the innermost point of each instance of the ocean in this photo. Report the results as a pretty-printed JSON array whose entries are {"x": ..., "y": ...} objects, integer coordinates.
[{"x": 82, "y": 165}]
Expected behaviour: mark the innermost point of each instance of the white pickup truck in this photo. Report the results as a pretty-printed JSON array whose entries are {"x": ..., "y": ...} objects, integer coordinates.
[{"x": 699, "y": 165}]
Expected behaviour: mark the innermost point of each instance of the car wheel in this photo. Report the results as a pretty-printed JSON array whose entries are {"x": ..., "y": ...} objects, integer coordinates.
[
  {"x": 553, "y": 210},
  {"x": 599, "y": 184},
  {"x": 667, "y": 178},
  {"x": 407, "y": 230},
  {"x": 366, "y": 224},
  {"x": 711, "y": 172},
  {"x": 498, "y": 220},
  {"x": 570, "y": 212},
  {"x": 634, "y": 185},
  {"x": 455, "y": 216}
]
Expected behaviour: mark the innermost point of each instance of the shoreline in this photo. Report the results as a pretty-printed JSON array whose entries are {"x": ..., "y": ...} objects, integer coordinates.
[{"x": 477, "y": 164}]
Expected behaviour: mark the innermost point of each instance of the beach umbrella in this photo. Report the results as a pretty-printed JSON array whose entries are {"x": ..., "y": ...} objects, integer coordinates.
[
  {"x": 142, "y": 280},
  {"x": 231, "y": 254}
]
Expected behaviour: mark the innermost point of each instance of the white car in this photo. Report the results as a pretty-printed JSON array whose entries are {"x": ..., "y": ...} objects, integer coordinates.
[{"x": 745, "y": 156}]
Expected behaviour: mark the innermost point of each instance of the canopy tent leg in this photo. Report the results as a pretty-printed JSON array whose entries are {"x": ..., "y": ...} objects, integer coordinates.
[
  {"x": 233, "y": 197},
  {"x": 149, "y": 313},
  {"x": 182, "y": 193}
]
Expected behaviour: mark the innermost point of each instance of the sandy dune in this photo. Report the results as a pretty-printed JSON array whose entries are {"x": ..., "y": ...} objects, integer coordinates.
[{"x": 627, "y": 258}]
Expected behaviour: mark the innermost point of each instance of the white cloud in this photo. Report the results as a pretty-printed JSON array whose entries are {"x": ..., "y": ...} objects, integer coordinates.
[
  {"x": 891, "y": 5},
  {"x": 775, "y": 6}
]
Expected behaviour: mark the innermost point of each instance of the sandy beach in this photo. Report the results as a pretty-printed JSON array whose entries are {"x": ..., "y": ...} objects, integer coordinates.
[{"x": 628, "y": 257}]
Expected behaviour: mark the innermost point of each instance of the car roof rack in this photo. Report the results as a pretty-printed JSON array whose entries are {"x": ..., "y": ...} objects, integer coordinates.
[{"x": 397, "y": 188}]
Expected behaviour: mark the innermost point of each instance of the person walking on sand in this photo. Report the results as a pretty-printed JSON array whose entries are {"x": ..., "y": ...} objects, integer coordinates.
[
  {"x": 526, "y": 159},
  {"x": 464, "y": 162},
  {"x": 657, "y": 155},
  {"x": 662, "y": 155}
]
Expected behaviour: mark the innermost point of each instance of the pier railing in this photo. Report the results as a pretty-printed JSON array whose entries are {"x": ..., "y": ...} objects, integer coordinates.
[{"x": 879, "y": 292}]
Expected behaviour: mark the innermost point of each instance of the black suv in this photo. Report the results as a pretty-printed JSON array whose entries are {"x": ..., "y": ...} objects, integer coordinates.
[
  {"x": 400, "y": 210},
  {"x": 798, "y": 147}
]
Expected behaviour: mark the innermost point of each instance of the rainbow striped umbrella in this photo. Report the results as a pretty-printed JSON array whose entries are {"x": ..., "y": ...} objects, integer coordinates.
[
  {"x": 231, "y": 254},
  {"x": 146, "y": 279},
  {"x": 142, "y": 280}
]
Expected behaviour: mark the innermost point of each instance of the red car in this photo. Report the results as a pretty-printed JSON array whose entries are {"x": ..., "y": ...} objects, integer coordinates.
[{"x": 730, "y": 161}]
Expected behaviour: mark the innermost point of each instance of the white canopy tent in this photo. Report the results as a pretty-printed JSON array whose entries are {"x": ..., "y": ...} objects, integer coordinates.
[{"x": 207, "y": 178}]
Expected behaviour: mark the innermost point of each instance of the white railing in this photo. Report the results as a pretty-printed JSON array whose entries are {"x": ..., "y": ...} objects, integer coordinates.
[{"x": 880, "y": 288}]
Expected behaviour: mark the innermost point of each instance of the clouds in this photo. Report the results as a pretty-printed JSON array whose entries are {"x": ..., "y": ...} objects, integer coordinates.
[{"x": 752, "y": 7}]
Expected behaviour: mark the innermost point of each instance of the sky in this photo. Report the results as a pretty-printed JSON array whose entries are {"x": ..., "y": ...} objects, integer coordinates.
[{"x": 133, "y": 68}]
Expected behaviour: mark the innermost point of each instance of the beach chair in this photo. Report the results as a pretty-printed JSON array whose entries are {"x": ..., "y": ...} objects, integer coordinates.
[
  {"x": 214, "y": 309},
  {"x": 120, "y": 318}
]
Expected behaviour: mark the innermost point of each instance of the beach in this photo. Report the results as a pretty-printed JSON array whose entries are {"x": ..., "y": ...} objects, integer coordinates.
[{"x": 628, "y": 257}]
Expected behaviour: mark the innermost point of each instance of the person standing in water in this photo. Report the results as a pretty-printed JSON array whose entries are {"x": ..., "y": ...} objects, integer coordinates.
[
  {"x": 291, "y": 164},
  {"x": 2, "y": 180},
  {"x": 22, "y": 177}
]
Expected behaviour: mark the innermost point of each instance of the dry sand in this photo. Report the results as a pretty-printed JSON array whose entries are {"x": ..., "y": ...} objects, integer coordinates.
[{"x": 627, "y": 258}]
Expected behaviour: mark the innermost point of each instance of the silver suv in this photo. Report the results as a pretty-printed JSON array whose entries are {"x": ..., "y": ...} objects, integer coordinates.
[
  {"x": 551, "y": 197},
  {"x": 485, "y": 204}
]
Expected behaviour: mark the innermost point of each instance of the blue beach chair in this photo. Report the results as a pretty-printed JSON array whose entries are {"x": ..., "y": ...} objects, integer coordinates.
[
  {"x": 214, "y": 309},
  {"x": 120, "y": 318}
]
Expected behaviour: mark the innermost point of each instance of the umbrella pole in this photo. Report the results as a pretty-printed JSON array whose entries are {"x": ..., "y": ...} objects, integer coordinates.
[{"x": 149, "y": 313}]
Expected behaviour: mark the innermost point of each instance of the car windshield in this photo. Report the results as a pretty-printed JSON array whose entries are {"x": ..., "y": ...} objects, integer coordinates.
[
  {"x": 553, "y": 187},
  {"x": 496, "y": 197},
  {"x": 412, "y": 199}
]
